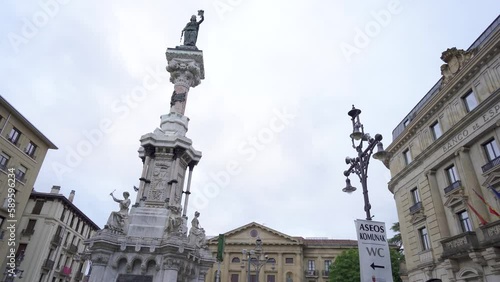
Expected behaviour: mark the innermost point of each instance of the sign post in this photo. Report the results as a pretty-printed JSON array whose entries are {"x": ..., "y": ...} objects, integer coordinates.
[{"x": 374, "y": 255}]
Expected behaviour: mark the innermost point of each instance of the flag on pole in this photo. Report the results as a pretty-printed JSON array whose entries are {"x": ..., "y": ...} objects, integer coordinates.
[
  {"x": 481, "y": 219},
  {"x": 490, "y": 209},
  {"x": 494, "y": 191}
]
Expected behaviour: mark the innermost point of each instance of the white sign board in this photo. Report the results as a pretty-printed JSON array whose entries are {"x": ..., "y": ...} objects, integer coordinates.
[{"x": 374, "y": 256}]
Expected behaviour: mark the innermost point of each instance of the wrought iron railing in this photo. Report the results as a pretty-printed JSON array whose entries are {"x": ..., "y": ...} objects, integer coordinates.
[
  {"x": 416, "y": 208},
  {"x": 491, "y": 164},
  {"x": 455, "y": 185}
]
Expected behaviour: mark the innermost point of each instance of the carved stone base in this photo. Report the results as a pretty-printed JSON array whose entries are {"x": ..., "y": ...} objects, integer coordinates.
[
  {"x": 174, "y": 124},
  {"x": 147, "y": 222}
]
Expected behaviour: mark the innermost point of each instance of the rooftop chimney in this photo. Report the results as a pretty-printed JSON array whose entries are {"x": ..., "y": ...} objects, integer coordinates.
[
  {"x": 71, "y": 196},
  {"x": 55, "y": 189}
]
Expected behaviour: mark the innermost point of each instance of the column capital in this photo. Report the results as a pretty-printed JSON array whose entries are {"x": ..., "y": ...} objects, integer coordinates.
[
  {"x": 430, "y": 172},
  {"x": 462, "y": 150},
  {"x": 172, "y": 264},
  {"x": 186, "y": 67}
]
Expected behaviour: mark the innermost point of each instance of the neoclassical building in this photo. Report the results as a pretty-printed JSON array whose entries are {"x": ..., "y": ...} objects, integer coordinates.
[
  {"x": 289, "y": 258},
  {"x": 445, "y": 169}
]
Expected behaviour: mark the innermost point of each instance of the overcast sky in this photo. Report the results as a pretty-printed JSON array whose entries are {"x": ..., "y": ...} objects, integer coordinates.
[{"x": 280, "y": 79}]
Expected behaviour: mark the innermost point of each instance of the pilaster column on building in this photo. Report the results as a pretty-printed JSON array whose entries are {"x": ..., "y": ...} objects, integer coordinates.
[
  {"x": 99, "y": 269},
  {"x": 451, "y": 267},
  {"x": 171, "y": 269},
  {"x": 492, "y": 257},
  {"x": 471, "y": 183},
  {"x": 437, "y": 203}
]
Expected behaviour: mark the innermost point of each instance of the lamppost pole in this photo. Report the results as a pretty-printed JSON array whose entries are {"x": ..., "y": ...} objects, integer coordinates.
[
  {"x": 359, "y": 165},
  {"x": 254, "y": 257}
]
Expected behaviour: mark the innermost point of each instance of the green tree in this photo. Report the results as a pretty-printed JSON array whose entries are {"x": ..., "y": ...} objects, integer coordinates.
[
  {"x": 345, "y": 268},
  {"x": 396, "y": 240}
]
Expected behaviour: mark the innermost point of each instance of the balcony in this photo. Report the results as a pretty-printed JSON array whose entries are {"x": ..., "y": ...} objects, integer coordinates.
[
  {"x": 459, "y": 245},
  {"x": 56, "y": 240},
  {"x": 72, "y": 249},
  {"x": 493, "y": 163},
  {"x": 48, "y": 264},
  {"x": 79, "y": 276},
  {"x": 27, "y": 232},
  {"x": 311, "y": 273},
  {"x": 491, "y": 234},
  {"x": 416, "y": 208},
  {"x": 325, "y": 273},
  {"x": 455, "y": 185}
]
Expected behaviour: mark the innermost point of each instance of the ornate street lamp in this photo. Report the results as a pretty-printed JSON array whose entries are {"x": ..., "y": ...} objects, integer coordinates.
[
  {"x": 255, "y": 258},
  {"x": 359, "y": 164}
]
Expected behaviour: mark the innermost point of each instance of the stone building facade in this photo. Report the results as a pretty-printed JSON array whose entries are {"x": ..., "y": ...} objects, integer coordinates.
[
  {"x": 22, "y": 150},
  {"x": 52, "y": 236},
  {"x": 290, "y": 258},
  {"x": 445, "y": 169}
]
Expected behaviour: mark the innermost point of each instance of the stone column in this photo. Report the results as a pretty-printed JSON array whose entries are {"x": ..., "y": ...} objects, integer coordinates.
[
  {"x": 188, "y": 189},
  {"x": 438, "y": 205},
  {"x": 470, "y": 182},
  {"x": 170, "y": 270},
  {"x": 186, "y": 71}
]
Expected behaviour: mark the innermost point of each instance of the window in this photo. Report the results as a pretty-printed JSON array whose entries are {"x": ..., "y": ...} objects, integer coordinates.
[
  {"x": 328, "y": 263},
  {"x": 272, "y": 261},
  {"x": 463, "y": 218},
  {"x": 451, "y": 173},
  {"x": 235, "y": 260},
  {"x": 271, "y": 278},
  {"x": 37, "y": 208},
  {"x": 470, "y": 101},
  {"x": 406, "y": 123},
  {"x": 491, "y": 149},
  {"x": 4, "y": 160},
  {"x": 21, "y": 173},
  {"x": 30, "y": 149},
  {"x": 415, "y": 195},
  {"x": 407, "y": 156},
  {"x": 436, "y": 130},
  {"x": 30, "y": 228},
  {"x": 235, "y": 277},
  {"x": 253, "y": 278},
  {"x": 310, "y": 265},
  {"x": 1, "y": 221},
  {"x": 289, "y": 260},
  {"x": 424, "y": 238},
  {"x": 14, "y": 135},
  {"x": 62, "y": 215}
]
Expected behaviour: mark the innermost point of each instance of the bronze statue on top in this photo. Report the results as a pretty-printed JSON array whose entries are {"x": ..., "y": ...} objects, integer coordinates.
[{"x": 190, "y": 32}]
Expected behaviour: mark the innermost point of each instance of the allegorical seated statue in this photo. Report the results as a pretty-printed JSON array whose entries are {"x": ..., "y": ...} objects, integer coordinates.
[
  {"x": 190, "y": 32},
  {"x": 196, "y": 233},
  {"x": 174, "y": 219},
  {"x": 118, "y": 220}
]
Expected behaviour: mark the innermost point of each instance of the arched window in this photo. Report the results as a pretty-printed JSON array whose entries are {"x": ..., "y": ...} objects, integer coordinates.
[{"x": 235, "y": 260}]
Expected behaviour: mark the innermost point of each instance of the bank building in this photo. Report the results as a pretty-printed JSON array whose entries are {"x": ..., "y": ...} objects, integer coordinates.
[{"x": 445, "y": 169}]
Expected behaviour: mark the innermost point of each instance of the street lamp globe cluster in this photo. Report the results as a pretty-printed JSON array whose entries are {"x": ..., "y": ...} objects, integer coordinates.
[
  {"x": 255, "y": 258},
  {"x": 359, "y": 165}
]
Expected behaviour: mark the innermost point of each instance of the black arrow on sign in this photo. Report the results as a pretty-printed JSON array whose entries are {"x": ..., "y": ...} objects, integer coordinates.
[{"x": 373, "y": 265}]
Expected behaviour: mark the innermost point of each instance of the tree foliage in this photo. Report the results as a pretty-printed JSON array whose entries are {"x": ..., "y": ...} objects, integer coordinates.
[{"x": 345, "y": 268}]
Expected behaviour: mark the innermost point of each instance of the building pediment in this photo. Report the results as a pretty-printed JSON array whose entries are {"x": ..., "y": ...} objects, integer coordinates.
[
  {"x": 492, "y": 180},
  {"x": 247, "y": 234},
  {"x": 455, "y": 199}
]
